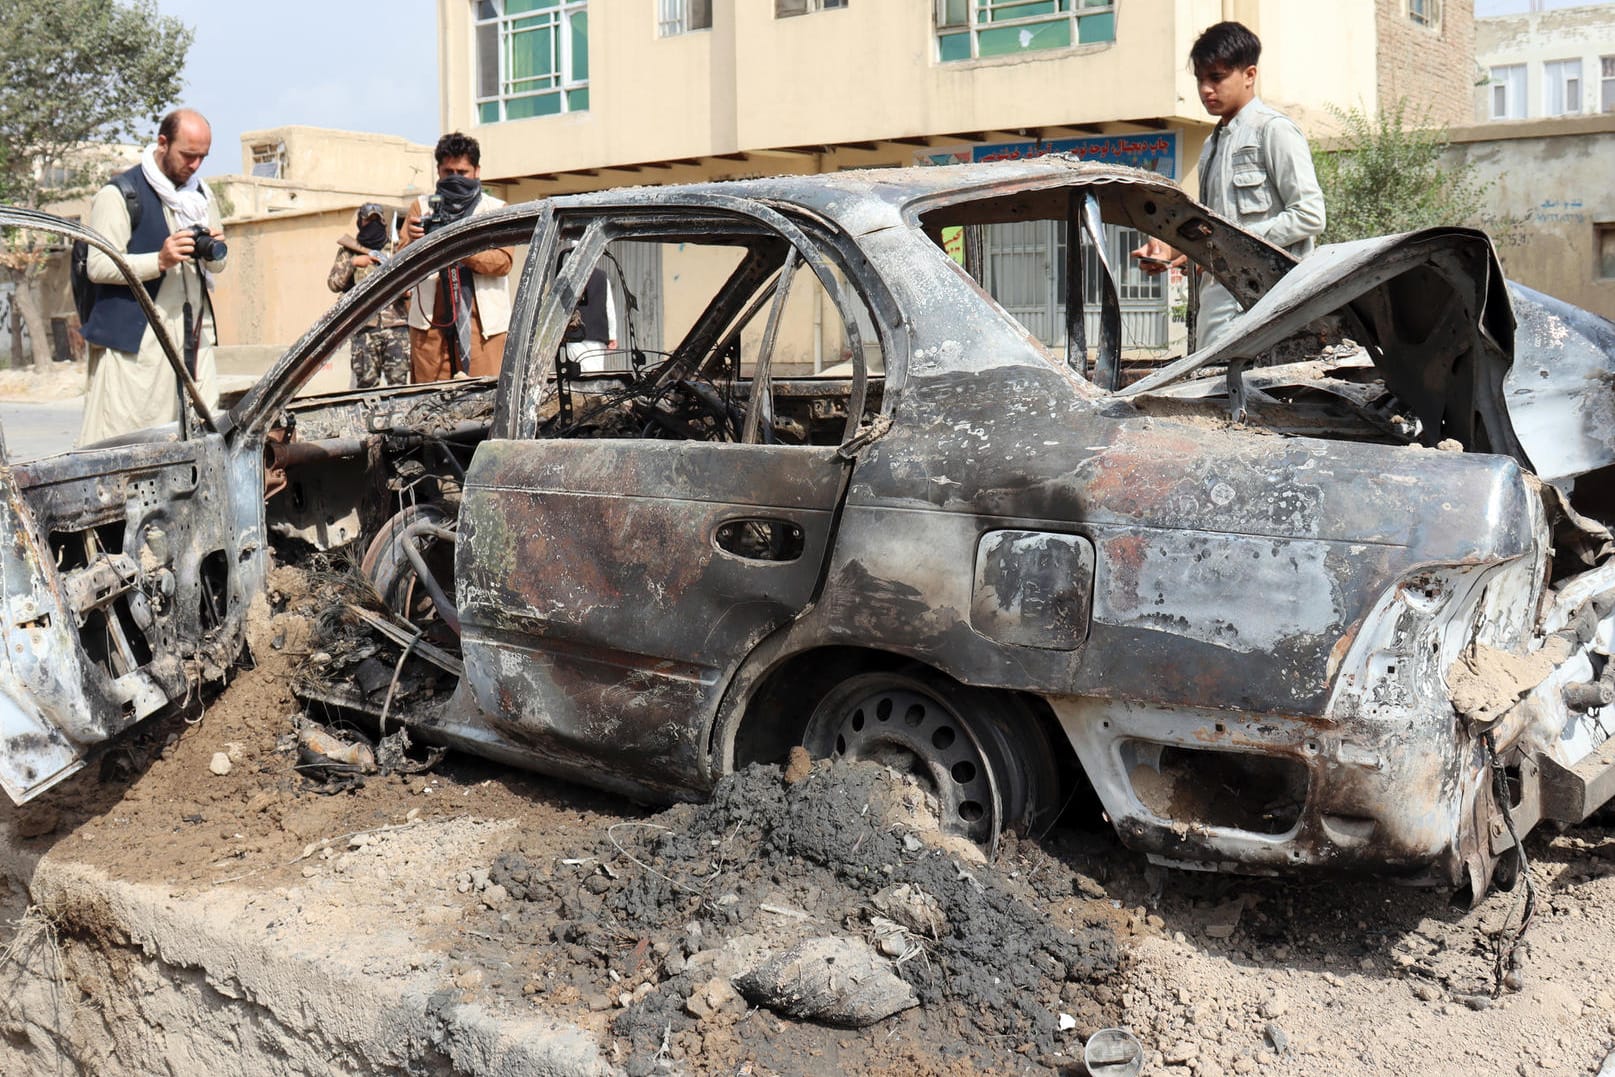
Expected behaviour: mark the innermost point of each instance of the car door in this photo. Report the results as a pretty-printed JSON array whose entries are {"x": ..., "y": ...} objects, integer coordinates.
[
  {"x": 608, "y": 586},
  {"x": 127, "y": 570}
]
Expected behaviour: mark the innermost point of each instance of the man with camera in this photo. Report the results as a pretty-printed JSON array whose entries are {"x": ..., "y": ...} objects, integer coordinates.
[
  {"x": 458, "y": 317},
  {"x": 168, "y": 222}
]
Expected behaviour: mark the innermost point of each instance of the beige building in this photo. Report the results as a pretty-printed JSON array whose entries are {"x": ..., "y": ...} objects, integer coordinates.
[
  {"x": 1550, "y": 207},
  {"x": 1546, "y": 63},
  {"x": 295, "y": 195},
  {"x": 570, "y": 95}
]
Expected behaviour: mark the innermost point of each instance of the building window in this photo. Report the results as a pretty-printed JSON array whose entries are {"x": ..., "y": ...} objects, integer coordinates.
[
  {"x": 1561, "y": 88},
  {"x": 269, "y": 160},
  {"x": 1507, "y": 85},
  {"x": 978, "y": 29},
  {"x": 532, "y": 58},
  {"x": 682, "y": 16},
  {"x": 1425, "y": 13},
  {"x": 1605, "y": 236},
  {"x": 1606, "y": 100},
  {"x": 786, "y": 8}
]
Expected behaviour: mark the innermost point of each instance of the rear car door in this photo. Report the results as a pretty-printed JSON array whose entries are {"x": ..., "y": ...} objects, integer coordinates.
[{"x": 625, "y": 543}]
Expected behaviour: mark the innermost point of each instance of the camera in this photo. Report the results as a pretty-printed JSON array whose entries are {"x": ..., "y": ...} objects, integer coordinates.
[
  {"x": 430, "y": 220},
  {"x": 207, "y": 248}
]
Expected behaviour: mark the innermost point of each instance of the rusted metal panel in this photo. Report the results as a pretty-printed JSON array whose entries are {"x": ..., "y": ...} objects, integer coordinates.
[{"x": 601, "y": 612}]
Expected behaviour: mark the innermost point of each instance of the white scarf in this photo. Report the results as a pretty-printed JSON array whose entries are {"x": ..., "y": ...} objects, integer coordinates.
[{"x": 188, "y": 204}]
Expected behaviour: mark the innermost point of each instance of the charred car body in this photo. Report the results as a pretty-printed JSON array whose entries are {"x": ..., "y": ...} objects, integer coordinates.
[{"x": 1251, "y": 602}]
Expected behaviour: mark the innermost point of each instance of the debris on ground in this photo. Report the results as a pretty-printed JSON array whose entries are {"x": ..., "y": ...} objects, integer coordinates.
[
  {"x": 835, "y": 981},
  {"x": 769, "y": 881}
]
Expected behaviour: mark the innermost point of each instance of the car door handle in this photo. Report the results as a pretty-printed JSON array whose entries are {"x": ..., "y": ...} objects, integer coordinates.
[{"x": 760, "y": 539}]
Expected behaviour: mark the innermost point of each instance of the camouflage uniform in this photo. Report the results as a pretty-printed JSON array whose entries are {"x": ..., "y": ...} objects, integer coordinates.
[{"x": 380, "y": 348}]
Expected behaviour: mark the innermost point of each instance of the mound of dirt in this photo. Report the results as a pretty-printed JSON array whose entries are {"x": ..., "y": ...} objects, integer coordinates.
[{"x": 657, "y": 916}]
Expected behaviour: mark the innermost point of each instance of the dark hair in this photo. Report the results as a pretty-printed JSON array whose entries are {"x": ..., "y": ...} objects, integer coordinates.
[
  {"x": 1227, "y": 44},
  {"x": 454, "y": 144}
]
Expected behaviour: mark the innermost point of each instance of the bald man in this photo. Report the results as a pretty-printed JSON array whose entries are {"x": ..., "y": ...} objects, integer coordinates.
[{"x": 153, "y": 211}]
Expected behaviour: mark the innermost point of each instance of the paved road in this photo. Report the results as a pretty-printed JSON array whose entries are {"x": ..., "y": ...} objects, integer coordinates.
[{"x": 35, "y": 430}]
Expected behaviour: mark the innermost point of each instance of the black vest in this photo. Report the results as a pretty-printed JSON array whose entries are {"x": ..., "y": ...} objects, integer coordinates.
[
  {"x": 593, "y": 307},
  {"x": 117, "y": 322}
]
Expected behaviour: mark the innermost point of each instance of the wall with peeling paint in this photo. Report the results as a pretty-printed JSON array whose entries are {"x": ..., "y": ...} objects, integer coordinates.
[
  {"x": 1586, "y": 33},
  {"x": 1549, "y": 194}
]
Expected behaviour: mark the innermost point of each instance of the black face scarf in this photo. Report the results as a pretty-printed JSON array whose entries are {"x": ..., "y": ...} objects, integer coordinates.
[
  {"x": 459, "y": 195},
  {"x": 373, "y": 234}
]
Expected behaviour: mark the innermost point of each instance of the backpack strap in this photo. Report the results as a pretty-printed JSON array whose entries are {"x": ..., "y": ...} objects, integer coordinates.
[{"x": 124, "y": 182}]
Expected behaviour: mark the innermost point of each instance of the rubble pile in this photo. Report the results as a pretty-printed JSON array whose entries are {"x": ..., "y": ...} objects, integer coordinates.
[{"x": 816, "y": 900}]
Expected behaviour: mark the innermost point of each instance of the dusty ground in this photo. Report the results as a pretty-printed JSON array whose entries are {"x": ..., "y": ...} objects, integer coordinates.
[
  {"x": 57, "y": 381},
  {"x": 540, "y": 901}
]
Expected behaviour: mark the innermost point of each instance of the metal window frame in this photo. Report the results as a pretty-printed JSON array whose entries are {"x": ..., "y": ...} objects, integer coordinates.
[
  {"x": 561, "y": 26},
  {"x": 673, "y": 17},
  {"x": 1010, "y": 253},
  {"x": 973, "y": 24}
]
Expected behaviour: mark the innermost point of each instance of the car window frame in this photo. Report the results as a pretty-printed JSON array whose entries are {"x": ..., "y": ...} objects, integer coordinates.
[{"x": 546, "y": 307}]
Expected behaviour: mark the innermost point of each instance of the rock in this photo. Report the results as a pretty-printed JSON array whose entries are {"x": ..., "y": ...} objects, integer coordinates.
[
  {"x": 1276, "y": 1038},
  {"x": 1477, "y": 1002},
  {"x": 36, "y": 822},
  {"x": 479, "y": 878},
  {"x": 598, "y": 1003},
  {"x": 834, "y": 981},
  {"x": 1245, "y": 1065},
  {"x": 220, "y": 764},
  {"x": 1225, "y": 919},
  {"x": 710, "y": 999},
  {"x": 495, "y": 896},
  {"x": 1273, "y": 1006},
  {"x": 1088, "y": 888},
  {"x": 798, "y": 765},
  {"x": 1427, "y": 992},
  {"x": 1179, "y": 1054}
]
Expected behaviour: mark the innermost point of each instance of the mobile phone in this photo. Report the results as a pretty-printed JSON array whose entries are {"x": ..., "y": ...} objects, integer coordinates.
[{"x": 1156, "y": 264}]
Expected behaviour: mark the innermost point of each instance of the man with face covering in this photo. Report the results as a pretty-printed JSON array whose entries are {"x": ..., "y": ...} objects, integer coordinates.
[
  {"x": 132, "y": 384},
  {"x": 458, "y": 317},
  {"x": 381, "y": 346}
]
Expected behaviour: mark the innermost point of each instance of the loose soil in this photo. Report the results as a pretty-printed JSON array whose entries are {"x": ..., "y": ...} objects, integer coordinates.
[
  {"x": 57, "y": 381},
  {"x": 535, "y": 899}
]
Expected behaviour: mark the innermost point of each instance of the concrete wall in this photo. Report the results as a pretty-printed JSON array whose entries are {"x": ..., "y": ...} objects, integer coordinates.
[
  {"x": 1586, "y": 32},
  {"x": 1550, "y": 192},
  {"x": 283, "y": 232},
  {"x": 274, "y": 286},
  {"x": 868, "y": 73},
  {"x": 1431, "y": 66}
]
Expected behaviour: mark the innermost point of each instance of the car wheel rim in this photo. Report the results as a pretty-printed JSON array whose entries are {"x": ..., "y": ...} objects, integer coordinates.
[{"x": 910, "y": 729}]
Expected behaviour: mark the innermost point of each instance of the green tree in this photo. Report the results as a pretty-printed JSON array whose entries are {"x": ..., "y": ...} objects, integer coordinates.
[
  {"x": 74, "y": 75},
  {"x": 1388, "y": 173}
]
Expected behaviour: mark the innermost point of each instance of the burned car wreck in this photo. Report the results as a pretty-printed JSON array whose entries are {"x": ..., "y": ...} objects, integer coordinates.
[{"x": 1333, "y": 593}]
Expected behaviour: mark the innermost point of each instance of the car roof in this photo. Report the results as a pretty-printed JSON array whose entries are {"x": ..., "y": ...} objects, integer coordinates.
[{"x": 838, "y": 195}]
